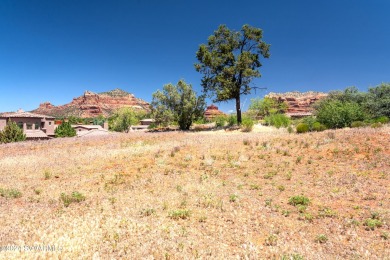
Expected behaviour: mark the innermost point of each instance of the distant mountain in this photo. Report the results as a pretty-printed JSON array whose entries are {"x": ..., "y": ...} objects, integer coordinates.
[{"x": 94, "y": 104}]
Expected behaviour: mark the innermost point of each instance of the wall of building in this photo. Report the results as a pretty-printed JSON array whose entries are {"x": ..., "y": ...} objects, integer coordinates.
[
  {"x": 32, "y": 123},
  {"x": 3, "y": 123},
  {"x": 49, "y": 126}
]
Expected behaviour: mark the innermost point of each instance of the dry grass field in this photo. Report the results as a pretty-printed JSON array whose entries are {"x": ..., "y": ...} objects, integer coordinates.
[{"x": 208, "y": 195}]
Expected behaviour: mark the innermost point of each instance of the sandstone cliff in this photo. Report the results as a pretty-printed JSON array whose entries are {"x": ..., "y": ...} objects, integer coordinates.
[
  {"x": 298, "y": 102},
  {"x": 92, "y": 104}
]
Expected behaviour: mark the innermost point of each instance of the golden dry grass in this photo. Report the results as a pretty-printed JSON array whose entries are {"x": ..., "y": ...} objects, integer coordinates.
[{"x": 207, "y": 195}]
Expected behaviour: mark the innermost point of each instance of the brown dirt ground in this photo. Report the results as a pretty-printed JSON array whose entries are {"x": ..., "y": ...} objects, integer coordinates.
[{"x": 232, "y": 190}]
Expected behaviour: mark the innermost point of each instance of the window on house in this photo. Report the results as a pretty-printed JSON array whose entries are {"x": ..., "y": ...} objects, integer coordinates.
[
  {"x": 29, "y": 126},
  {"x": 37, "y": 125},
  {"x": 20, "y": 124},
  {"x": 49, "y": 123}
]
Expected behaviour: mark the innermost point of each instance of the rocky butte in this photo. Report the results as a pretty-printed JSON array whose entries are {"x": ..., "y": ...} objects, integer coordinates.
[
  {"x": 94, "y": 104},
  {"x": 299, "y": 103},
  {"x": 212, "y": 112}
]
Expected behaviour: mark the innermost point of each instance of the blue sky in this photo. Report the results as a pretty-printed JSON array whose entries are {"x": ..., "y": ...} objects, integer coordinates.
[{"x": 54, "y": 50}]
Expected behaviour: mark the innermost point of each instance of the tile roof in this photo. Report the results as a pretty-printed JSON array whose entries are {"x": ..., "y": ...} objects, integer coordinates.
[
  {"x": 89, "y": 127},
  {"x": 24, "y": 114},
  {"x": 35, "y": 134},
  {"x": 93, "y": 132}
]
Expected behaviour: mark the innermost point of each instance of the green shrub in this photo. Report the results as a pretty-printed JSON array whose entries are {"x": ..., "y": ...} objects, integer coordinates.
[
  {"x": 277, "y": 120},
  {"x": 321, "y": 238},
  {"x": 355, "y": 124},
  {"x": 232, "y": 120},
  {"x": 299, "y": 200},
  {"x": 338, "y": 114},
  {"x": 302, "y": 128},
  {"x": 12, "y": 133},
  {"x": 290, "y": 130},
  {"x": 220, "y": 121},
  {"x": 371, "y": 223},
  {"x": 317, "y": 126},
  {"x": 376, "y": 125},
  {"x": 382, "y": 120},
  {"x": 74, "y": 197},
  {"x": 65, "y": 130},
  {"x": 179, "y": 214},
  {"x": 310, "y": 121},
  {"x": 247, "y": 124},
  {"x": 10, "y": 193}
]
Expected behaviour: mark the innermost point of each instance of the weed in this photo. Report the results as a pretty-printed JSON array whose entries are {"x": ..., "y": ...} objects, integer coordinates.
[
  {"x": 301, "y": 208},
  {"x": 327, "y": 213},
  {"x": 268, "y": 202},
  {"x": 286, "y": 213},
  {"x": 179, "y": 214},
  {"x": 10, "y": 193},
  {"x": 269, "y": 175},
  {"x": 233, "y": 198},
  {"x": 254, "y": 187},
  {"x": 371, "y": 223},
  {"x": 74, "y": 197},
  {"x": 271, "y": 240},
  {"x": 246, "y": 142},
  {"x": 147, "y": 212},
  {"x": 299, "y": 200},
  {"x": 321, "y": 238},
  {"x": 385, "y": 235},
  {"x": 281, "y": 188},
  {"x": 37, "y": 191},
  {"x": 292, "y": 257},
  {"x": 298, "y": 160},
  {"x": 47, "y": 174}
]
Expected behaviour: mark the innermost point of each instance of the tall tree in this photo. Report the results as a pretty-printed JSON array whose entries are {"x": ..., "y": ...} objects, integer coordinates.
[
  {"x": 230, "y": 61},
  {"x": 178, "y": 104}
]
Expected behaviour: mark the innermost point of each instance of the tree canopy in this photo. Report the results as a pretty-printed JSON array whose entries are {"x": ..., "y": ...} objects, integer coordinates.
[
  {"x": 12, "y": 133},
  {"x": 178, "y": 104},
  {"x": 65, "y": 129},
  {"x": 230, "y": 61}
]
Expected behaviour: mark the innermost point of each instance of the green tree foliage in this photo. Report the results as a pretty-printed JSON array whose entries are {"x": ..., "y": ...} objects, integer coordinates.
[
  {"x": 338, "y": 114},
  {"x": 65, "y": 129},
  {"x": 12, "y": 133},
  {"x": 125, "y": 117},
  {"x": 266, "y": 106},
  {"x": 177, "y": 104},
  {"x": 378, "y": 100},
  {"x": 230, "y": 61}
]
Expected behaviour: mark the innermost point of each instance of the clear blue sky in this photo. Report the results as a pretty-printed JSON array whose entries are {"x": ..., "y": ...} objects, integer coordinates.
[{"x": 54, "y": 50}]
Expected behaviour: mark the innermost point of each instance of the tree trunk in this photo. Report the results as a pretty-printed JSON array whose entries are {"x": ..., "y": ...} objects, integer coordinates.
[{"x": 238, "y": 108}]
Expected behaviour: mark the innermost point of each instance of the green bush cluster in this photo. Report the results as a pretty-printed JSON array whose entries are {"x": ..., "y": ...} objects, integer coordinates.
[
  {"x": 352, "y": 108},
  {"x": 232, "y": 120},
  {"x": 247, "y": 124},
  {"x": 220, "y": 121},
  {"x": 12, "y": 133},
  {"x": 302, "y": 128},
  {"x": 65, "y": 129},
  {"x": 74, "y": 197},
  {"x": 277, "y": 120}
]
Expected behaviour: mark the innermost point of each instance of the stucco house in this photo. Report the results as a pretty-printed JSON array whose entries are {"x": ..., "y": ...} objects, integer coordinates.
[
  {"x": 35, "y": 126},
  {"x": 90, "y": 130}
]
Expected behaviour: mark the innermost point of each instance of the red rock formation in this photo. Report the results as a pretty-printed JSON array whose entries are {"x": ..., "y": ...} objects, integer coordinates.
[
  {"x": 299, "y": 103},
  {"x": 212, "y": 112},
  {"x": 91, "y": 104}
]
